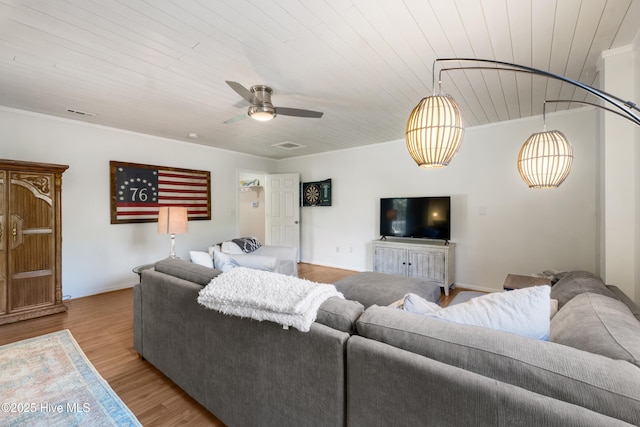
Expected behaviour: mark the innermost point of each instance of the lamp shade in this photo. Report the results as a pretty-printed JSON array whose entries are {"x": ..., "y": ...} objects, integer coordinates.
[
  {"x": 172, "y": 220},
  {"x": 545, "y": 159},
  {"x": 434, "y": 131}
]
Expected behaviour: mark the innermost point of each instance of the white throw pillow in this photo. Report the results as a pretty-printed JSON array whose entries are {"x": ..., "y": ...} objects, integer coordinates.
[
  {"x": 224, "y": 262},
  {"x": 201, "y": 258},
  {"x": 524, "y": 312},
  {"x": 231, "y": 248}
]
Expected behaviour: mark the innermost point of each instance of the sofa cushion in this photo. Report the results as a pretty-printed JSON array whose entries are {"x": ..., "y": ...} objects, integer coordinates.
[
  {"x": 523, "y": 312},
  {"x": 186, "y": 270},
  {"x": 201, "y": 258},
  {"x": 598, "y": 324},
  {"x": 611, "y": 387},
  {"x": 577, "y": 282},
  {"x": 371, "y": 288},
  {"x": 340, "y": 314}
]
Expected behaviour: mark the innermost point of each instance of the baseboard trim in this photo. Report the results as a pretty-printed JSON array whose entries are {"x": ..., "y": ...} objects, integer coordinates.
[
  {"x": 102, "y": 290},
  {"x": 477, "y": 288}
]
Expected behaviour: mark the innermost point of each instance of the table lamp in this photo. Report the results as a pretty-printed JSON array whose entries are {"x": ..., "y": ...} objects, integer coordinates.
[{"x": 173, "y": 220}]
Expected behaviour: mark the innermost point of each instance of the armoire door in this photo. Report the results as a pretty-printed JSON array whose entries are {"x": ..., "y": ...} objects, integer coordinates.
[
  {"x": 30, "y": 241},
  {"x": 3, "y": 245}
]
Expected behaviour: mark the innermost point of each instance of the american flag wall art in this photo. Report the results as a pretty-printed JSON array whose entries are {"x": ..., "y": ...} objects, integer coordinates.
[{"x": 137, "y": 192}]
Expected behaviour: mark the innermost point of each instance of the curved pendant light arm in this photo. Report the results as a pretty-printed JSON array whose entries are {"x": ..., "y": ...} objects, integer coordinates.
[
  {"x": 624, "y": 106},
  {"x": 593, "y": 104}
]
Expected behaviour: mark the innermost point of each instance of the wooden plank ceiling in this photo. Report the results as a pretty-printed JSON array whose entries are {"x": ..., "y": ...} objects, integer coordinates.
[{"x": 159, "y": 67}]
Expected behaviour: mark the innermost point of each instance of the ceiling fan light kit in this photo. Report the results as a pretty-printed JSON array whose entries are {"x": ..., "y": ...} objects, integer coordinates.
[
  {"x": 262, "y": 113},
  {"x": 260, "y": 106},
  {"x": 263, "y": 109},
  {"x": 434, "y": 129}
]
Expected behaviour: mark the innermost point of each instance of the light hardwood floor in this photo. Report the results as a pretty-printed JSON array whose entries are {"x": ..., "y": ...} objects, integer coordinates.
[{"x": 103, "y": 327}]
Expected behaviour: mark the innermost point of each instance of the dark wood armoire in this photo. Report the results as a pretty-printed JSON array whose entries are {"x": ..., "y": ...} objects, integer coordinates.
[{"x": 30, "y": 240}]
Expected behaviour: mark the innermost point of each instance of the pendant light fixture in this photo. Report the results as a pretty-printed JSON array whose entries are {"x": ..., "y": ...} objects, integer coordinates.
[
  {"x": 545, "y": 159},
  {"x": 434, "y": 131}
]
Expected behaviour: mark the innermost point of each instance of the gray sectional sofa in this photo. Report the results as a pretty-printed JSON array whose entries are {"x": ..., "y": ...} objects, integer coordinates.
[{"x": 383, "y": 366}]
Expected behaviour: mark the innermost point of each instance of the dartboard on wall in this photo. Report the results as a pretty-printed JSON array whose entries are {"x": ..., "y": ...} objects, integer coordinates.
[{"x": 316, "y": 193}]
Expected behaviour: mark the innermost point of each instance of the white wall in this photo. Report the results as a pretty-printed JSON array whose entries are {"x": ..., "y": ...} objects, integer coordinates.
[
  {"x": 96, "y": 255},
  {"x": 636, "y": 97},
  {"x": 619, "y": 171},
  {"x": 522, "y": 230},
  {"x": 499, "y": 224}
]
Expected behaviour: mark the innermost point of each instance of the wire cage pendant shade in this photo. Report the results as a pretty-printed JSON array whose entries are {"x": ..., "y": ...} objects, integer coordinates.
[
  {"x": 434, "y": 131},
  {"x": 545, "y": 159}
]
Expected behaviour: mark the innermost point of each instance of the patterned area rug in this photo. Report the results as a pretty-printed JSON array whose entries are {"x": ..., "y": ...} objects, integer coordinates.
[{"x": 48, "y": 381}]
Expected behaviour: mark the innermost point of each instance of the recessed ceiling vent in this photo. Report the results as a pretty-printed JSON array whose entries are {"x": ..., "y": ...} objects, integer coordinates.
[
  {"x": 288, "y": 145},
  {"x": 80, "y": 113}
]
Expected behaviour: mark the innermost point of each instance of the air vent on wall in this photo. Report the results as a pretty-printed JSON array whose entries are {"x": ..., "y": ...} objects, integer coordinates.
[
  {"x": 80, "y": 113},
  {"x": 287, "y": 145}
]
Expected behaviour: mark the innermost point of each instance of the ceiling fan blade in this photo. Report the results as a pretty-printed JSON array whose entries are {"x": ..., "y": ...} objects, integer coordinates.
[
  {"x": 241, "y": 90},
  {"x": 297, "y": 112},
  {"x": 237, "y": 118}
]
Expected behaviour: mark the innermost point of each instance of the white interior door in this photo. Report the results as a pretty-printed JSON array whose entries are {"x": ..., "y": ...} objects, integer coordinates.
[{"x": 282, "y": 205}]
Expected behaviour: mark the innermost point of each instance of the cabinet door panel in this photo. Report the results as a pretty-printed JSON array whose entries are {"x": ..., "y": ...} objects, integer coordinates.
[
  {"x": 31, "y": 239},
  {"x": 33, "y": 254},
  {"x": 428, "y": 265},
  {"x": 390, "y": 260},
  {"x": 29, "y": 291},
  {"x": 3, "y": 245}
]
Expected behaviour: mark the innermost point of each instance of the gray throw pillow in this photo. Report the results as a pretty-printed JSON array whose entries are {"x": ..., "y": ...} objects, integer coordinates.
[
  {"x": 247, "y": 244},
  {"x": 598, "y": 324},
  {"x": 578, "y": 282}
]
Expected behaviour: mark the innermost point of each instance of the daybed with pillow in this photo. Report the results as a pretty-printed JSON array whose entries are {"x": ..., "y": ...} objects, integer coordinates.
[
  {"x": 387, "y": 366},
  {"x": 249, "y": 252}
]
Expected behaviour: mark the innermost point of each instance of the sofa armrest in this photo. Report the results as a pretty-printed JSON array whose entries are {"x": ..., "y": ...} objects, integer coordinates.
[
  {"x": 286, "y": 258},
  {"x": 185, "y": 270},
  {"x": 257, "y": 262}
]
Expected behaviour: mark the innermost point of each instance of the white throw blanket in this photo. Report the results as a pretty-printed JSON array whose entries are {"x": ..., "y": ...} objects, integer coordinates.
[{"x": 264, "y": 295}]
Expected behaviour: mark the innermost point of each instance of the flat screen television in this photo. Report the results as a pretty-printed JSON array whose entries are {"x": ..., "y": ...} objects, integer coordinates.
[{"x": 417, "y": 217}]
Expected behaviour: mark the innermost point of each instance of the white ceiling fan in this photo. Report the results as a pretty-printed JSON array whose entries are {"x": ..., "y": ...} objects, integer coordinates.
[{"x": 261, "y": 108}]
